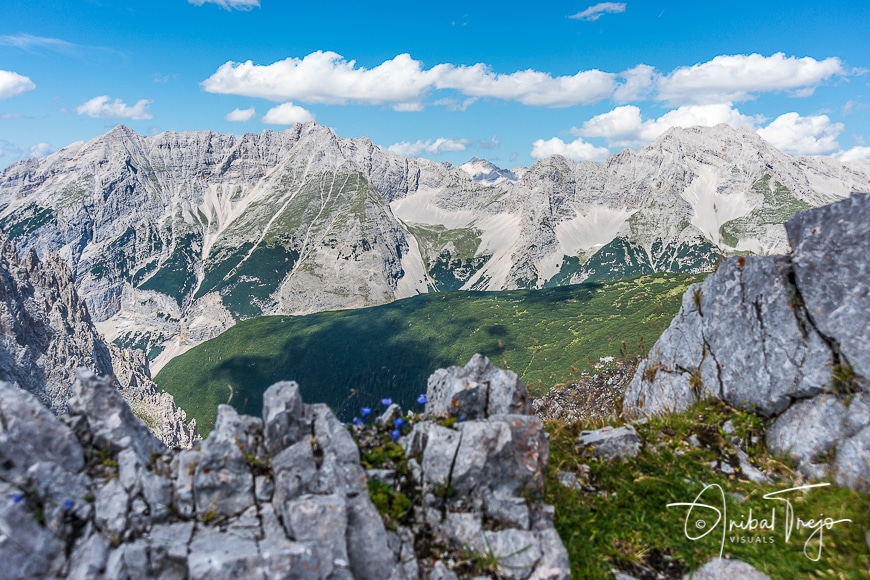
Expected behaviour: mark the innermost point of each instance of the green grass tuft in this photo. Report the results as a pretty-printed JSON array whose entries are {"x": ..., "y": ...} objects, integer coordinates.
[{"x": 621, "y": 519}]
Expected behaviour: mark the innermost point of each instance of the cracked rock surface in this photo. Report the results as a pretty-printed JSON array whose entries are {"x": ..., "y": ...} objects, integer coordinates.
[
  {"x": 787, "y": 337},
  {"x": 94, "y": 494}
]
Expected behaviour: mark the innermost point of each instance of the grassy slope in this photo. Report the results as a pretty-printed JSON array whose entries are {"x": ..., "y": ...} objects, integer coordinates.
[
  {"x": 353, "y": 358},
  {"x": 621, "y": 521}
]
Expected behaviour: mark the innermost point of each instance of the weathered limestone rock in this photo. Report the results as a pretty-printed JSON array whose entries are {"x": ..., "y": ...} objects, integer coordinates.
[
  {"x": 477, "y": 390},
  {"x": 786, "y": 337},
  {"x": 482, "y": 477},
  {"x": 98, "y": 495},
  {"x": 610, "y": 443},
  {"x": 724, "y": 569}
]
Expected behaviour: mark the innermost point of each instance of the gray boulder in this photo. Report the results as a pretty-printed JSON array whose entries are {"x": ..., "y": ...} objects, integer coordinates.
[
  {"x": 725, "y": 569},
  {"x": 610, "y": 443}
]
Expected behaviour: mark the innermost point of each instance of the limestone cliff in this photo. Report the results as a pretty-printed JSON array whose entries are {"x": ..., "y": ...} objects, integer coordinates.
[{"x": 46, "y": 333}]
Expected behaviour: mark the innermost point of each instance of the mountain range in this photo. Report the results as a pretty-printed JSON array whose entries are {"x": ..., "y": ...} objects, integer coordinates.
[{"x": 173, "y": 238}]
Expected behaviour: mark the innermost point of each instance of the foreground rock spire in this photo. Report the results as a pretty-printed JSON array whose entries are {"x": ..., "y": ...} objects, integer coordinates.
[
  {"x": 785, "y": 336},
  {"x": 96, "y": 495}
]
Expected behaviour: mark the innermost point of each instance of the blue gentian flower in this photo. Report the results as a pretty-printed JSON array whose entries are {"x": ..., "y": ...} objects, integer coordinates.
[
  {"x": 365, "y": 412},
  {"x": 17, "y": 498},
  {"x": 399, "y": 423},
  {"x": 68, "y": 504},
  {"x": 386, "y": 402},
  {"x": 357, "y": 421},
  {"x": 422, "y": 400},
  {"x": 395, "y": 434}
]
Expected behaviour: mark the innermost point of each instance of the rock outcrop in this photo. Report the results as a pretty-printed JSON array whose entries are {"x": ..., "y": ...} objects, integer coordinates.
[
  {"x": 46, "y": 333},
  {"x": 96, "y": 495},
  {"x": 785, "y": 336}
]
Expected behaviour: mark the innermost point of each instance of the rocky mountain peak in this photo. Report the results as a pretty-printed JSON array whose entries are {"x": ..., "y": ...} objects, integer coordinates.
[{"x": 46, "y": 333}]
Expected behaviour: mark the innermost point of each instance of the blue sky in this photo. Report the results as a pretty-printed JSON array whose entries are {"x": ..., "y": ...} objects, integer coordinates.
[{"x": 506, "y": 81}]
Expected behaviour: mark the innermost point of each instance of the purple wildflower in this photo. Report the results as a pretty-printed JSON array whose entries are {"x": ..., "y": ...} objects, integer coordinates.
[
  {"x": 365, "y": 412},
  {"x": 357, "y": 421},
  {"x": 395, "y": 434},
  {"x": 422, "y": 400},
  {"x": 17, "y": 498},
  {"x": 399, "y": 423},
  {"x": 68, "y": 504},
  {"x": 386, "y": 402}
]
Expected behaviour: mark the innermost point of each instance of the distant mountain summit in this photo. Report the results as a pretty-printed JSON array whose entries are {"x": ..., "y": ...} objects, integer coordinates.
[
  {"x": 173, "y": 238},
  {"x": 487, "y": 173}
]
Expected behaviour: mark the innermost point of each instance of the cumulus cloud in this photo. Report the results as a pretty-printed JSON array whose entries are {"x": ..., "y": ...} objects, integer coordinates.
[
  {"x": 229, "y": 4},
  {"x": 13, "y": 84},
  {"x": 577, "y": 150},
  {"x": 638, "y": 83},
  {"x": 240, "y": 115},
  {"x": 326, "y": 77},
  {"x": 103, "y": 107},
  {"x": 529, "y": 87},
  {"x": 440, "y": 145},
  {"x": 813, "y": 135},
  {"x": 41, "y": 150},
  {"x": 287, "y": 114},
  {"x": 625, "y": 127},
  {"x": 595, "y": 12},
  {"x": 857, "y": 153},
  {"x": 730, "y": 78}
]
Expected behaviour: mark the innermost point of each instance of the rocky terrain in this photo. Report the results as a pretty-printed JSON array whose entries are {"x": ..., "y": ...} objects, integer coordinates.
[
  {"x": 46, "y": 333},
  {"x": 783, "y": 336},
  {"x": 95, "y": 495},
  {"x": 173, "y": 238}
]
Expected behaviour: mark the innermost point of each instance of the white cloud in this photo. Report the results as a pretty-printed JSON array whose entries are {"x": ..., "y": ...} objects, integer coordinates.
[
  {"x": 41, "y": 150},
  {"x": 103, "y": 108},
  {"x": 13, "y": 84},
  {"x": 408, "y": 107},
  {"x": 229, "y": 4},
  {"x": 440, "y": 145},
  {"x": 624, "y": 126},
  {"x": 29, "y": 42},
  {"x": 639, "y": 83},
  {"x": 529, "y": 87},
  {"x": 595, "y": 12},
  {"x": 455, "y": 104},
  {"x": 856, "y": 153},
  {"x": 287, "y": 114},
  {"x": 814, "y": 135},
  {"x": 240, "y": 115},
  {"x": 326, "y": 77},
  {"x": 577, "y": 150},
  {"x": 736, "y": 77}
]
